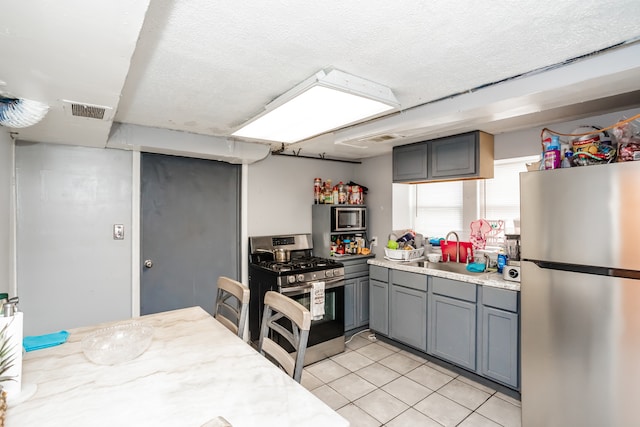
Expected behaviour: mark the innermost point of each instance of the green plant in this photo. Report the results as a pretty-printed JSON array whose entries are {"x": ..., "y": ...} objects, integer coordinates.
[{"x": 7, "y": 355}]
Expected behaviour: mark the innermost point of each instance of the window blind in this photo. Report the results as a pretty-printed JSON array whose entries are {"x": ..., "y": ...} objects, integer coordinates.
[
  {"x": 502, "y": 193},
  {"x": 438, "y": 208}
]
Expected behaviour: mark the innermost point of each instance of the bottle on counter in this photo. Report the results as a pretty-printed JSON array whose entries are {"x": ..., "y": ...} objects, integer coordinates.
[{"x": 502, "y": 261}]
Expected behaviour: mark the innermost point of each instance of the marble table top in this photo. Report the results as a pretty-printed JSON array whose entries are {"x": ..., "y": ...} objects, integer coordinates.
[{"x": 194, "y": 371}]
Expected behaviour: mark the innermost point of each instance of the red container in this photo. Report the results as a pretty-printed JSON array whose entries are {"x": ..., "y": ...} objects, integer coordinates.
[{"x": 449, "y": 250}]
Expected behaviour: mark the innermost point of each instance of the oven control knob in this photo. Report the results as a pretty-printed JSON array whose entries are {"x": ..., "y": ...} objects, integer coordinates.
[
  {"x": 300, "y": 277},
  {"x": 336, "y": 272},
  {"x": 291, "y": 279},
  {"x": 329, "y": 273}
]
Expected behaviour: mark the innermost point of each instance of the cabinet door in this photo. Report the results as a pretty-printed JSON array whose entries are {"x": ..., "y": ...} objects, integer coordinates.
[
  {"x": 452, "y": 330},
  {"x": 408, "y": 323},
  {"x": 379, "y": 306},
  {"x": 362, "y": 301},
  {"x": 454, "y": 156},
  {"x": 410, "y": 163},
  {"x": 349, "y": 304},
  {"x": 500, "y": 345}
]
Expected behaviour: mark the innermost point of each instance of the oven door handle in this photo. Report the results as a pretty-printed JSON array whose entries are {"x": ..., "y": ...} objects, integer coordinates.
[{"x": 306, "y": 288}]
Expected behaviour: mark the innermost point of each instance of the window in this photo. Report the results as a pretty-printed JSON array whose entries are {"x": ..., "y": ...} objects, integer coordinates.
[
  {"x": 445, "y": 206},
  {"x": 438, "y": 208},
  {"x": 502, "y": 193}
]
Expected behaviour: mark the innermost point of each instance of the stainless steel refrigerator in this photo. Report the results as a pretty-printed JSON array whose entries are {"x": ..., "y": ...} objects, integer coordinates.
[{"x": 580, "y": 294}]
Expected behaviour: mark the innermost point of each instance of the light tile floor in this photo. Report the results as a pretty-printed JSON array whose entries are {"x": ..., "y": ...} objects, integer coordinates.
[{"x": 376, "y": 384}]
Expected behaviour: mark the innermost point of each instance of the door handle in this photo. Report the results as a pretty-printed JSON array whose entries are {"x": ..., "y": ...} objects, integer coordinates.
[{"x": 148, "y": 263}]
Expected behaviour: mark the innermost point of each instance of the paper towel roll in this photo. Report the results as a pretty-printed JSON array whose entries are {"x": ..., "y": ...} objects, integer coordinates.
[{"x": 14, "y": 333}]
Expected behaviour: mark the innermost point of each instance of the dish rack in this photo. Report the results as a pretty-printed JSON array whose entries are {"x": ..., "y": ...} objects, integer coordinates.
[{"x": 403, "y": 255}]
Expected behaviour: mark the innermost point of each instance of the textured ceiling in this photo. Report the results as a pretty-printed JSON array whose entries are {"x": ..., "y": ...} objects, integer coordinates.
[{"x": 205, "y": 67}]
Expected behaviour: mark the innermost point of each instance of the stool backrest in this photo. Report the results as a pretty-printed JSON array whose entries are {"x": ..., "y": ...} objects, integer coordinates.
[
  {"x": 295, "y": 331},
  {"x": 232, "y": 305}
]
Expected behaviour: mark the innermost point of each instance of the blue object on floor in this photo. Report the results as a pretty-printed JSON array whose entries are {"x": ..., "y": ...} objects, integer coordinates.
[
  {"x": 476, "y": 267},
  {"x": 38, "y": 342}
]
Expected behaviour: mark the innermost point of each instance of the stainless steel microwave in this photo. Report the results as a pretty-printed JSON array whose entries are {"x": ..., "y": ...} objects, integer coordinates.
[{"x": 348, "y": 218}]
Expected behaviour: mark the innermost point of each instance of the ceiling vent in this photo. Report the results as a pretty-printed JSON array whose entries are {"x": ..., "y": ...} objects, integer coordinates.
[
  {"x": 368, "y": 141},
  {"x": 78, "y": 109}
]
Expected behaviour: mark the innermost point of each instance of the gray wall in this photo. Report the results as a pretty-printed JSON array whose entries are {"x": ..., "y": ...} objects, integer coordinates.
[
  {"x": 280, "y": 192},
  {"x": 376, "y": 173},
  {"x": 6, "y": 209},
  {"x": 70, "y": 270}
]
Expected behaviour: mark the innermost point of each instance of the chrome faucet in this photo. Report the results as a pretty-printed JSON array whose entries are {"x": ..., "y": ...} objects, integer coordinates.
[{"x": 457, "y": 243}]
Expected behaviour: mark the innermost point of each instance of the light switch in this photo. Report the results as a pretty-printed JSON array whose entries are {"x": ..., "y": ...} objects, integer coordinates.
[{"x": 118, "y": 231}]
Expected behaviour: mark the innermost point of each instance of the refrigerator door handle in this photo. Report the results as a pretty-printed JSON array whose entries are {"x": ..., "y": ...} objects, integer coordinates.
[{"x": 587, "y": 269}]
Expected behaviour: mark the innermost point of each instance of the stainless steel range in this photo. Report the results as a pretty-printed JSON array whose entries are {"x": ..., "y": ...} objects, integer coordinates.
[{"x": 286, "y": 264}]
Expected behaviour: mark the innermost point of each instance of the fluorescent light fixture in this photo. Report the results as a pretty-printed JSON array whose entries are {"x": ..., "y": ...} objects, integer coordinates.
[{"x": 326, "y": 101}]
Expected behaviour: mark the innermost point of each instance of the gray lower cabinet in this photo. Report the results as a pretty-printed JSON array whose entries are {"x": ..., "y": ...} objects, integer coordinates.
[
  {"x": 408, "y": 308},
  {"x": 452, "y": 331},
  {"x": 379, "y": 299},
  {"x": 356, "y": 303},
  {"x": 500, "y": 336},
  {"x": 452, "y": 322},
  {"x": 356, "y": 293},
  {"x": 408, "y": 322},
  {"x": 472, "y": 326}
]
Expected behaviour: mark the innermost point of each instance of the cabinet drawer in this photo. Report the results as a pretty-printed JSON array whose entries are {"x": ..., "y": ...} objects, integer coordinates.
[
  {"x": 409, "y": 280},
  {"x": 379, "y": 273},
  {"x": 356, "y": 268},
  {"x": 500, "y": 298},
  {"x": 453, "y": 288}
]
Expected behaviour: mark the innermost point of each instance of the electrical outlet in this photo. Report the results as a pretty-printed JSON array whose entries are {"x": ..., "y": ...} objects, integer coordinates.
[{"x": 374, "y": 241}]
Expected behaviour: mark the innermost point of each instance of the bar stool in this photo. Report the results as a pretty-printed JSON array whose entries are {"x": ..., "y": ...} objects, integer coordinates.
[
  {"x": 276, "y": 307},
  {"x": 232, "y": 302}
]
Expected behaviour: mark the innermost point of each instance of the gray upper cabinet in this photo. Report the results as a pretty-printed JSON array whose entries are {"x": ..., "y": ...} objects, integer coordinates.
[
  {"x": 379, "y": 299},
  {"x": 410, "y": 163},
  {"x": 464, "y": 156}
]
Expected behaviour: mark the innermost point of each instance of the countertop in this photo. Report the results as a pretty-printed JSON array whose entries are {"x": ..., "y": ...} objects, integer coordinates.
[
  {"x": 194, "y": 371},
  {"x": 348, "y": 257},
  {"x": 486, "y": 279}
]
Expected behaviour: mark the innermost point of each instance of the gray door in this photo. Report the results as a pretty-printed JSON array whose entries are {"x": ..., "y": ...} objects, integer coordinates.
[{"x": 190, "y": 213}]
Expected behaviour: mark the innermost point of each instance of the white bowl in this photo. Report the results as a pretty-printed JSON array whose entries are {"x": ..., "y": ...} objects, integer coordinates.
[
  {"x": 434, "y": 257},
  {"x": 117, "y": 344}
]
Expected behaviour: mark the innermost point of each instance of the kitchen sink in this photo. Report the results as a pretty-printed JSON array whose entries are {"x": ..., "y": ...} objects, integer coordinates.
[{"x": 451, "y": 267}]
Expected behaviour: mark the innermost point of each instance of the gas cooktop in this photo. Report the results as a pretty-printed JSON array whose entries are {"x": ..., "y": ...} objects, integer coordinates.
[{"x": 312, "y": 263}]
